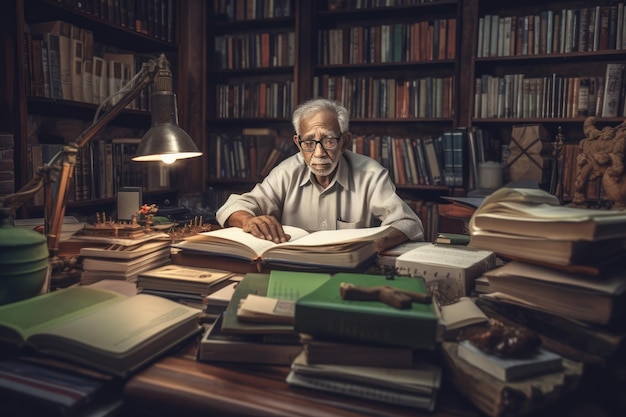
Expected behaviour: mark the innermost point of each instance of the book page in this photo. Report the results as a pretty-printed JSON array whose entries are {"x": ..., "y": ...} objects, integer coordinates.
[
  {"x": 230, "y": 236},
  {"x": 110, "y": 330},
  {"x": 335, "y": 237},
  {"x": 462, "y": 313},
  {"x": 38, "y": 313}
]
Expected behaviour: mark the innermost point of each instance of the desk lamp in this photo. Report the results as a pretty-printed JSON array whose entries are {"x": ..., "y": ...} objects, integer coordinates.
[{"x": 165, "y": 141}]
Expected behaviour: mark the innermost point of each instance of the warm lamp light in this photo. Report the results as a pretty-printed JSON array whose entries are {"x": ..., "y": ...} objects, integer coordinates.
[{"x": 165, "y": 141}]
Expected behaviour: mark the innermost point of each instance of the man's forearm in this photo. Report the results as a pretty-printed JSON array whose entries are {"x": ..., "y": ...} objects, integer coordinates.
[{"x": 391, "y": 239}]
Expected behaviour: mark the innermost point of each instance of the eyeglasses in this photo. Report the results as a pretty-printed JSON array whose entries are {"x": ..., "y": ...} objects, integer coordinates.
[{"x": 328, "y": 143}]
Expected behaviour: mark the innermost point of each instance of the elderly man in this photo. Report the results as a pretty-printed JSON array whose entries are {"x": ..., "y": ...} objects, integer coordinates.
[{"x": 323, "y": 187}]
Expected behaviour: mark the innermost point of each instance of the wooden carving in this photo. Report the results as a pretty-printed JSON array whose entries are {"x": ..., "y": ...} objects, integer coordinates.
[{"x": 601, "y": 156}]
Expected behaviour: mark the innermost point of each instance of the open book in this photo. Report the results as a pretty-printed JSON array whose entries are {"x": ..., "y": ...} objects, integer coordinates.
[
  {"x": 346, "y": 248},
  {"x": 533, "y": 212},
  {"x": 97, "y": 328}
]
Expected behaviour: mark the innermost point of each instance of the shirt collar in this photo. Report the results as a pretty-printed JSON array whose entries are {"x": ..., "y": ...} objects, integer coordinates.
[{"x": 342, "y": 176}]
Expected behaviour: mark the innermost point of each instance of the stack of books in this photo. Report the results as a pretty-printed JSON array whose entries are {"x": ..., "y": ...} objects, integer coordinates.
[
  {"x": 565, "y": 279},
  {"x": 252, "y": 336},
  {"x": 183, "y": 284},
  {"x": 123, "y": 259},
  {"x": 365, "y": 347}
]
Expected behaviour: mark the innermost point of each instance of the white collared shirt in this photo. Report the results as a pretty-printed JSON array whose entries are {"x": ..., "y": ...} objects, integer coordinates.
[{"x": 362, "y": 194}]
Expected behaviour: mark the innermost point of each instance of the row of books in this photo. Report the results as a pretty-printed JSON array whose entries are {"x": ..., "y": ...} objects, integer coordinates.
[
  {"x": 258, "y": 99},
  {"x": 368, "y": 4},
  {"x": 64, "y": 62},
  {"x": 519, "y": 96},
  {"x": 255, "y": 50},
  {"x": 7, "y": 165},
  {"x": 583, "y": 29},
  {"x": 235, "y": 10},
  {"x": 248, "y": 157},
  {"x": 102, "y": 168},
  {"x": 399, "y": 42},
  {"x": 373, "y": 97},
  {"x": 153, "y": 18}
]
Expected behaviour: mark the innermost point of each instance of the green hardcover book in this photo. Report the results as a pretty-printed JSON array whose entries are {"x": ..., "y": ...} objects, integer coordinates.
[
  {"x": 324, "y": 314},
  {"x": 286, "y": 285}
]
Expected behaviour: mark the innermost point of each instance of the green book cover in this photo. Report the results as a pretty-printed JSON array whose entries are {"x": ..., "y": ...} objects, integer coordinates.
[
  {"x": 324, "y": 314},
  {"x": 286, "y": 285}
]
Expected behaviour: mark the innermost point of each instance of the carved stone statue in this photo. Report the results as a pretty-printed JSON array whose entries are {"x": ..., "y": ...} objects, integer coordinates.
[{"x": 601, "y": 155}]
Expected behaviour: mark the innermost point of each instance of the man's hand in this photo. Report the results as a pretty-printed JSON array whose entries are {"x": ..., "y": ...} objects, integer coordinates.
[{"x": 263, "y": 227}]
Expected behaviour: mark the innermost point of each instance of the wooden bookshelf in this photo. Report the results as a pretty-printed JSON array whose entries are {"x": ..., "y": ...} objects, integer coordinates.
[{"x": 40, "y": 115}]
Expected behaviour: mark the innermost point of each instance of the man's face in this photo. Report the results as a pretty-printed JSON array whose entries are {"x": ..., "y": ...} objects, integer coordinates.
[{"x": 321, "y": 127}]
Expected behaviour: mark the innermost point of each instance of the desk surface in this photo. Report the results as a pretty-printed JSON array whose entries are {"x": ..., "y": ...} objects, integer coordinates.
[{"x": 178, "y": 383}]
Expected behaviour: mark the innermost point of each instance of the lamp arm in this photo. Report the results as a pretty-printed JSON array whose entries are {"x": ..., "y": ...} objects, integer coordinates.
[{"x": 152, "y": 70}]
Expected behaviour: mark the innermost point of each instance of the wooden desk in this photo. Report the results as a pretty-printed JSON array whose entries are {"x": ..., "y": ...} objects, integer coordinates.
[{"x": 180, "y": 385}]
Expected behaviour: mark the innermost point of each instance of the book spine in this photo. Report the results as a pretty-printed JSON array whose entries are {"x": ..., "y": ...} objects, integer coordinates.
[
  {"x": 321, "y": 320},
  {"x": 381, "y": 394}
]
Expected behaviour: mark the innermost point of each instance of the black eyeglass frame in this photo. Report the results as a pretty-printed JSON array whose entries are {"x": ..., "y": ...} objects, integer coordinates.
[{"x": 300, "y": 141}]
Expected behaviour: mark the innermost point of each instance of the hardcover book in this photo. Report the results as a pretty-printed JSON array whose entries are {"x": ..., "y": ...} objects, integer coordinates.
[
  {"x": 577, "y": 297},
  {"x": 324, "y": 313},
  {"x": 510, "y": 369},
  {"x": 536, "y": 213},
  {"x": 457, "y": 266},
  {"x": 319, "y": 351},
  {"x": 182, "y": 279},
  {"x": 91, "y": 327},
  {"x": 346, "y": 248},
  {"x": 218, "y": 346},
  {"x": 414, "y": 387},
  {"x": 284, "y": 285}
]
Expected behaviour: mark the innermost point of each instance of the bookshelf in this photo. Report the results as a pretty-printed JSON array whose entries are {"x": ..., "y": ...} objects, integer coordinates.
[
  {"x": 368, "y": 58},
  {"x": 546, "y": 64},
  {"x": 44, "y": 109}
]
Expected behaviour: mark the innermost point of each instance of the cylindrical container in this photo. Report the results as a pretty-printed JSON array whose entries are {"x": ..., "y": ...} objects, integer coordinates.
[
  {"x": 490, "y": 175},
  {"x": 23, "y": 261}
]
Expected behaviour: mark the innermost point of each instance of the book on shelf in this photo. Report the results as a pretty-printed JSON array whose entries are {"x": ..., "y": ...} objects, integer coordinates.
[
  {"x": 183, "y": 279},
  {"x": 456, "y": 267},
  {"x": 91, "y": 327},
  {"x": 534, "y": 212},
  {"x": 339, "y": 249},
  {"x": 330, "y": 352},
  {"x": 510, "y": 369},
  {"x": 325, "y": 314},
  {"x": 580, "y": 297},
  {"x": 497, "y": 398},
  {"x": 415, "y": 387},
  {"x": 219, "y": 346},
  {"x": 573, "y": 339}
]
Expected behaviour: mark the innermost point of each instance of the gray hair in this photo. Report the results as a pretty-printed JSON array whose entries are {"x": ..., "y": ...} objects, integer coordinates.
[{"x": 316, "y": 105}]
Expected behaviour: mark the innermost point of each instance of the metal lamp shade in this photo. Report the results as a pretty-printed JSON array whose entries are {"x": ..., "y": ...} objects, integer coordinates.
[{"x": 165, "y": 139}]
